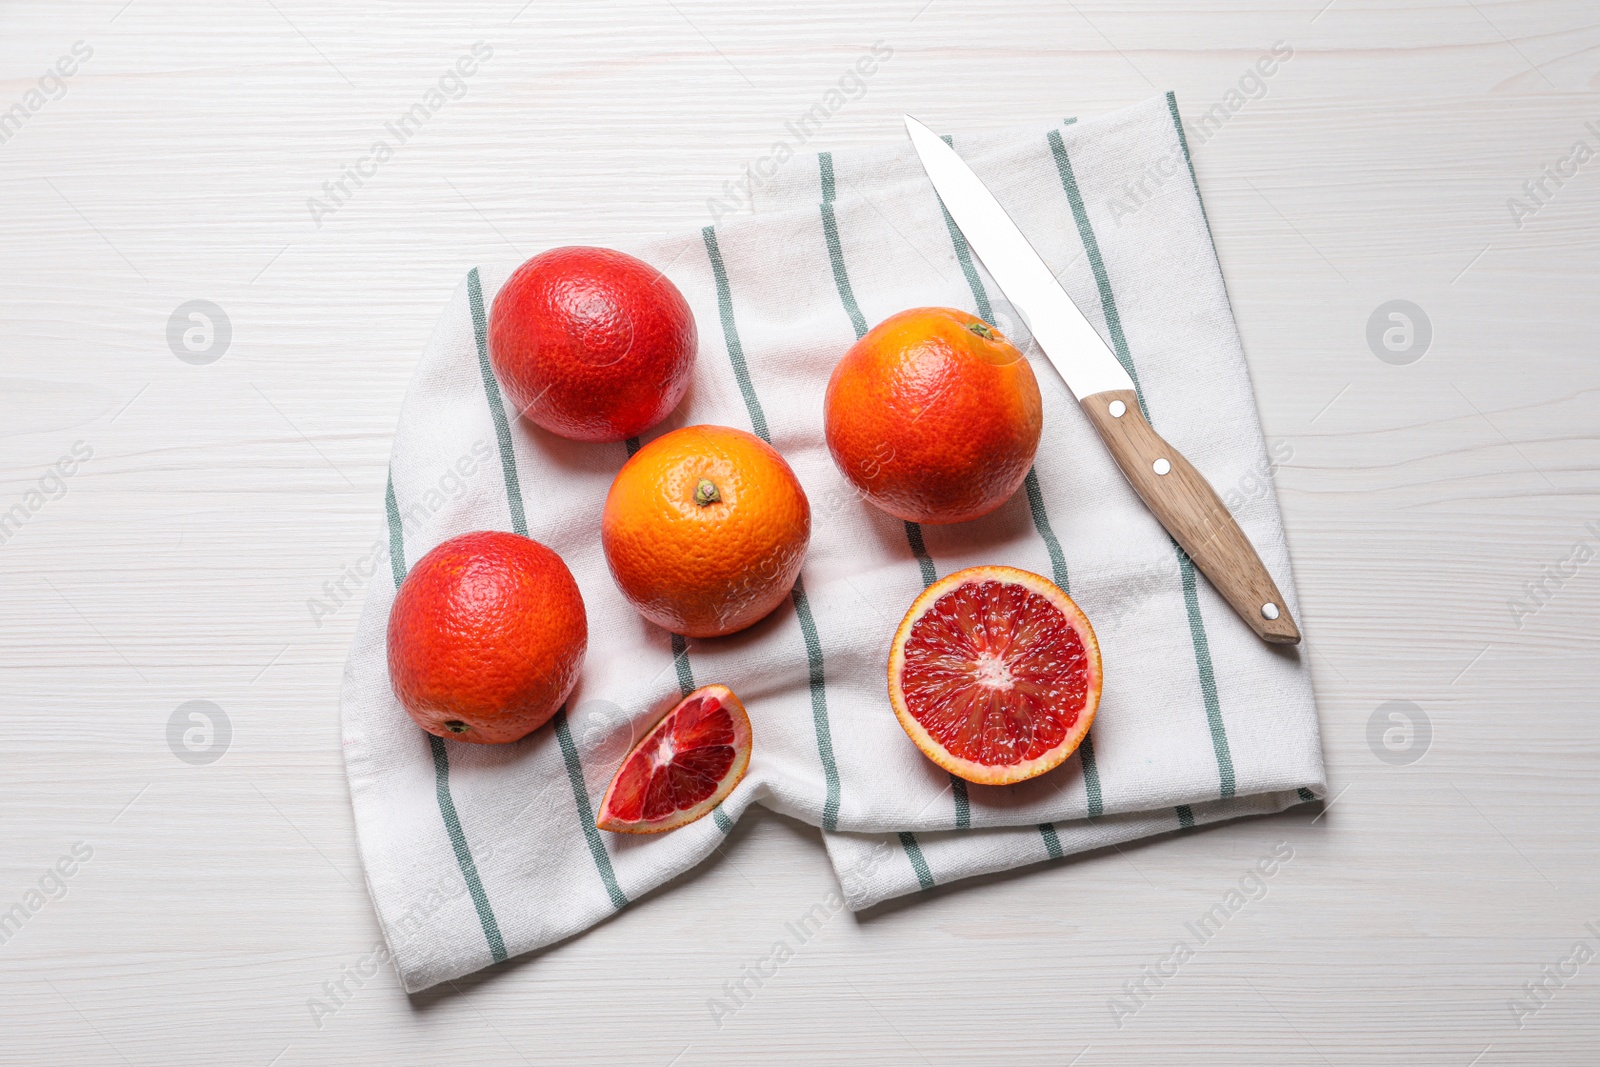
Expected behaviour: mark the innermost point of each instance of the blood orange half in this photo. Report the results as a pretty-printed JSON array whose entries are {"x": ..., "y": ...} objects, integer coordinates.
[
  {"x": 686, "y": 765},
  {"x": 995, "y": 674}
]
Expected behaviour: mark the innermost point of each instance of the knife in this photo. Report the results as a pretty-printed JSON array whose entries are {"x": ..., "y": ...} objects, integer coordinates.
[{"x": 1178, "y": 495}]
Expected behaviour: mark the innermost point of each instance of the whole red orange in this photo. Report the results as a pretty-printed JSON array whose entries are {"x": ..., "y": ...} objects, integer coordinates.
[
  {"x": 592, "y": 344},
  {"x": 934, "y": 416},
  {"x": 486, "y": 638}
]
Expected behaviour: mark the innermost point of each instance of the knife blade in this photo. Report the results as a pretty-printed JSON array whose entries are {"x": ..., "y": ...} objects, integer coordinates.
[{"x": 1175, "y": 492}]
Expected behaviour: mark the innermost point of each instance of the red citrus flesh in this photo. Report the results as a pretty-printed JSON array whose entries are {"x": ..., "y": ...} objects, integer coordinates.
[
  {"x": 686, "y": 765},
  {"x": 995, "y": 674}
]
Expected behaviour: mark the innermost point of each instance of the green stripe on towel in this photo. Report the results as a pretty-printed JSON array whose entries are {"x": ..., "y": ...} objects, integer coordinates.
[
  {"x": 830, "y": 232},
  {"x": 1091, "y": 248},
  {"x": 1208, "y": 681},
  {"x": 397, "y": 541},
  {"x": 1041, "y": 523},
  {"x": 1197, "y": 628},
  {"x": 441, "y": 765},
  {"x": 908, "y": 841},
  {"x": 819, "y": 704},
  {"x": 980, "y": 296},
  {"x": 680, "y": 660},
  {"x": 802, "y": 607},
  {"x": 1091, "y": 776},
  {"x": 497, "y": 409},
  {"x": 919, "y": 551},
  {"x": 508, "y": 465},
  {"x": 1058, "y": 569},
  {"x": 730, "y": 336},
  {"x": 458, "y": 842},
  {"x": 580, "y": 797},
  {"x": 1052, "y": 843},
  {"x": 1183, "y": 140},
  {"x": 847, "y": 297},
  {"x": 825, "y": 171}
]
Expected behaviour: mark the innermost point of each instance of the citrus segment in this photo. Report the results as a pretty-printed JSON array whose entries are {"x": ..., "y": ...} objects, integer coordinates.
[
  {"x": 995, "y": 674},
  {"x": 686, "y": 765}
]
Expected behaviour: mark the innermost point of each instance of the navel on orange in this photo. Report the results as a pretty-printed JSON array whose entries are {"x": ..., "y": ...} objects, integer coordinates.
[
  {"x": 705, "y": 530},
  {"x": 995, "y": 674}
]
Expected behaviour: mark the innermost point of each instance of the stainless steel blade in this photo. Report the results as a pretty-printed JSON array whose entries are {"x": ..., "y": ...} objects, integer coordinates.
[{"x": 1072, "y": 345}]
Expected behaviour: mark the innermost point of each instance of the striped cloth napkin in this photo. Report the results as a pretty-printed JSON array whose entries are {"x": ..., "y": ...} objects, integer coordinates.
[{"x": 473, "y": 853}]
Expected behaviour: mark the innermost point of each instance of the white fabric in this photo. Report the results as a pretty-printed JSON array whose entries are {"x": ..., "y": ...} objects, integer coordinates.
[{"x": 473, "y": 852}]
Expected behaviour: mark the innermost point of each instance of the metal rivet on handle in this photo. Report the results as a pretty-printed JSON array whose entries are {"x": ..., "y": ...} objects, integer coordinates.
[
  {"x": 1161, "y": 466},
  {"x": 1117, "y": 409},
  {"x": 1269, "y": 611}
]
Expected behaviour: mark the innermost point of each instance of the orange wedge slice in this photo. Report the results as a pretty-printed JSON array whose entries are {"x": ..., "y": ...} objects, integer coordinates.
[{"x": 686, "y": 765}]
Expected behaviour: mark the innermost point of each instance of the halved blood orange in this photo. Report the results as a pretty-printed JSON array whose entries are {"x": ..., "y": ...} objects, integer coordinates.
[
  {"x": 995, "y": 674},
  {"x": 686, "y": 765}
]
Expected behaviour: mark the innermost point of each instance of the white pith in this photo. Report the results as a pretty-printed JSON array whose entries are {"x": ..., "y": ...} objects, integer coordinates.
[{"x": 992, "y": 672}]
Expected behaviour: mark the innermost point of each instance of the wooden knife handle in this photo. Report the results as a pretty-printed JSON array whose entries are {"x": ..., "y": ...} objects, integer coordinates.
[{"x": 1193, "y": 514}]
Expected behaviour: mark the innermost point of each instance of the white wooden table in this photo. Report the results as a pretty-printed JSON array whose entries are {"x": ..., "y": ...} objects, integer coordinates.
[{"x": 176, "y": 562}]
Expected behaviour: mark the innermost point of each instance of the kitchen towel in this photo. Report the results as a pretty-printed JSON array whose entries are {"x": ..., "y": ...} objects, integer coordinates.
[{"x": 475, "y": 853}]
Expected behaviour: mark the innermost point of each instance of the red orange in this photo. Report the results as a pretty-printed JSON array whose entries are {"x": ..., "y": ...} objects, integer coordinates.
[
  {"x": 934, "y": 416},
  {"x": 486, "y": 638},
  {"x": 592, "y": 344}
]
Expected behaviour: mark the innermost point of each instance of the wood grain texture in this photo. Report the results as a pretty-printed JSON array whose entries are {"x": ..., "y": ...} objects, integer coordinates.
[
  {"x": 1437, "y": 512},
  {"x": 1191, "y": 511}
]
